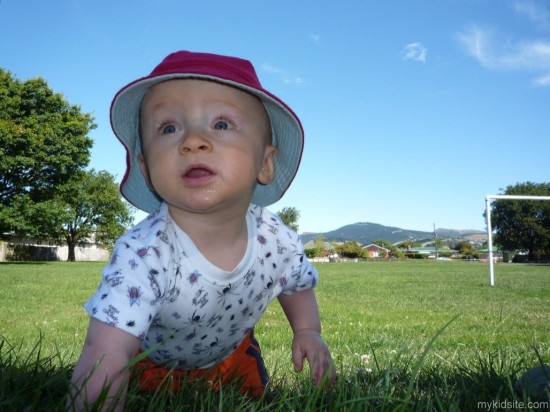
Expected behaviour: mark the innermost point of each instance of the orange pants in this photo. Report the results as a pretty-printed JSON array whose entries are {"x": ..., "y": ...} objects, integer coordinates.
[{"x": 244, "y": 367}]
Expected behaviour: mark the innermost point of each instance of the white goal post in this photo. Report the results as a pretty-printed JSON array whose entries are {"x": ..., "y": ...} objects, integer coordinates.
[{"x": 488, "y": 199}]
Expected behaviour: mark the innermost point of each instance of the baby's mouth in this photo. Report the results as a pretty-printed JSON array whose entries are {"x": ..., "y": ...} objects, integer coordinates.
[
  {"x": 198, "y": 175},
  {"x": 197, "y": 172}
]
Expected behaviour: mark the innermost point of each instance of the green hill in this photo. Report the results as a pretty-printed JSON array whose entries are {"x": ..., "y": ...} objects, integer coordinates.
[{"x": 366, "y": 232}]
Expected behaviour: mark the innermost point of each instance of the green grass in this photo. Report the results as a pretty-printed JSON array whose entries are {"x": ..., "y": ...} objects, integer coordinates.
[{"x": 437, "y": 335}]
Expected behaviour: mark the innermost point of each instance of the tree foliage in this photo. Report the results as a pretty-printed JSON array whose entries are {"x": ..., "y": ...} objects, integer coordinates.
[
  {"x": 523, "y": 224},
  {"x": 407, "y": 244},
  {"x": 313, "y": 252},
  {"x": 394, "y": 250},
  {"x": 290, "y": 216},
  {"x": 319, "y": 248},
  {"x": 43, "y": 144},
  {"x": 466, "y": 249},
  {"x": 351, "y": 250},
  {"x": 92, "y": 210}
]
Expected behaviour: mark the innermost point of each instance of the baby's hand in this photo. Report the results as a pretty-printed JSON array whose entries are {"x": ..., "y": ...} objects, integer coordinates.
[{"x": 307, "y": 343}]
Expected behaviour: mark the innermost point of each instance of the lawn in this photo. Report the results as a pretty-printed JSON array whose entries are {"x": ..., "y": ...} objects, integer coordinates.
[{"x": 412, "y": 335}]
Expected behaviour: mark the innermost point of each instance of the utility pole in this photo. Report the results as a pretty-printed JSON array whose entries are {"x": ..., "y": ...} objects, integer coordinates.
[{"x": 435, "y": 243}]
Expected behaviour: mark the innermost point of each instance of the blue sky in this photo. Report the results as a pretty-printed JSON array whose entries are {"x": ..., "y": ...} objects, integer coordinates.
[{"x": 413, "y": 111}]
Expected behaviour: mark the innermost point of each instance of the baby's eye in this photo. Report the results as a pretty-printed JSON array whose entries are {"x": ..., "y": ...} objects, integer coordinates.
[
  {"x": 168, "y": 129},
  {"x": 221, "y": 125}
]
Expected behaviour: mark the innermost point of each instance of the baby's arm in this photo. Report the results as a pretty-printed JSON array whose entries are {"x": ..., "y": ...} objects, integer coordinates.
[
  {"x": 303, "y": 315},
  {"x": 106, "y": 353}
]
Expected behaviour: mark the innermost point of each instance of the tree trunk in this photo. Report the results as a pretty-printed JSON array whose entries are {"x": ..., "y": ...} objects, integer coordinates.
[{"x": 72, "y": 256}]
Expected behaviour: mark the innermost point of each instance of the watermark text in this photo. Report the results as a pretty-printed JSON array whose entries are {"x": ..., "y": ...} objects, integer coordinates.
[{"x": 515, "y": 404}]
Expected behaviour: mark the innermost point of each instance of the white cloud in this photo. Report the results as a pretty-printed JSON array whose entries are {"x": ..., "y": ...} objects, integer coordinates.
[
  {"x": 270, "y": 68},
  {"x": 477, "y": 43},
  {"x": 496, "y": 54},
  {"x": 414, "y": 51},
  {"x": 526, "y": 55},
  {"x": 542, "y": 81},
  {"x": 315, "y": 38},
  {"x": 281, "y": 74},
  {"x": 536, "y": 12}
]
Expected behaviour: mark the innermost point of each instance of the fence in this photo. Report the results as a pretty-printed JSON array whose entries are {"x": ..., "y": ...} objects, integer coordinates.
[{"x": 17, "y": 252}]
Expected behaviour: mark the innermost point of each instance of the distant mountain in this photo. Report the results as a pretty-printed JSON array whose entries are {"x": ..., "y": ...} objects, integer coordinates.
[
  {"x": 366, "y": 232},
  {"x": 465, "y": 233}
]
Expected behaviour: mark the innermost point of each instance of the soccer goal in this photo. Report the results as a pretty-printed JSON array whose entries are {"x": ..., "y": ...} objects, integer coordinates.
[{"x": 488, "y": 199}]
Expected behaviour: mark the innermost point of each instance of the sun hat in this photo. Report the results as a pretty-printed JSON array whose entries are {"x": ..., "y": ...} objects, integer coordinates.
[{"x": 286, "y": 129}]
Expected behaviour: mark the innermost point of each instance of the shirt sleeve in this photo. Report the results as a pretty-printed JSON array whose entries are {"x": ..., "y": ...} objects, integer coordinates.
[
  {"x": 129, "y": 294},
  {"x": 303, "y": 274},
  {"x": 298, "y": 274}
]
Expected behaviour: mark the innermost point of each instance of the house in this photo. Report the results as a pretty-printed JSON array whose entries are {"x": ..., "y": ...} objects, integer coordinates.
[
  {"x": 327, "y": 254},
  {"x": 327, "y": 247},
  {"x": 432, "y": 252},
  {"x": 375, "y": 251}
]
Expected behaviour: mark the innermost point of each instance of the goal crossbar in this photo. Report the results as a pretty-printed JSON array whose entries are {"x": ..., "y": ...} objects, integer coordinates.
[{"x": 488, "y": 199}]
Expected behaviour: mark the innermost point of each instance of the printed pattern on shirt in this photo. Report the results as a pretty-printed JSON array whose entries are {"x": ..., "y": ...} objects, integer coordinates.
[{"x": 159, "y": 288}]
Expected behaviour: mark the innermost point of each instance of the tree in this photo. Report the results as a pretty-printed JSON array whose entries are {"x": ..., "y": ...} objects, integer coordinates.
[
  {"x": 313, "y": 252},
  {"x": 407, "y": 244},
  {"x": 92, "y": 209},
  {"x": 318, "y": 249},
  {"x": 466, "y": 249},
  {"x": 523, "y": 224},
  {"x": 43, "y": 144},
  {"x": 351, "y": 249},
  {"x": 290, "y": 216}
]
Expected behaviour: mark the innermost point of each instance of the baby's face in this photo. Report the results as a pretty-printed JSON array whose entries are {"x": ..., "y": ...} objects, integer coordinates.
[{"x": 205, "y": 145}]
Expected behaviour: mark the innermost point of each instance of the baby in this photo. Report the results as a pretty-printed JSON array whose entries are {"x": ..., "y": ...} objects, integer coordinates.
[{"x": 207, "y": 149}]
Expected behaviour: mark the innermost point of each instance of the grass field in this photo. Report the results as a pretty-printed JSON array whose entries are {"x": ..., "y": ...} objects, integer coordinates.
[{"x": 436, "y": 337}]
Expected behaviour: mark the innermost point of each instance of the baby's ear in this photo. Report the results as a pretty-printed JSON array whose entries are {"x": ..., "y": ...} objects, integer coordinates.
[
  {"x": 267, "y": 173},
  {"x": 145, "y": 170}
]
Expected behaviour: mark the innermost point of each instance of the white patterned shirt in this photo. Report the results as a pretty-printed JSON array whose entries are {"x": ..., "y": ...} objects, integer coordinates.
[{"x": 161, "y": 289}]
